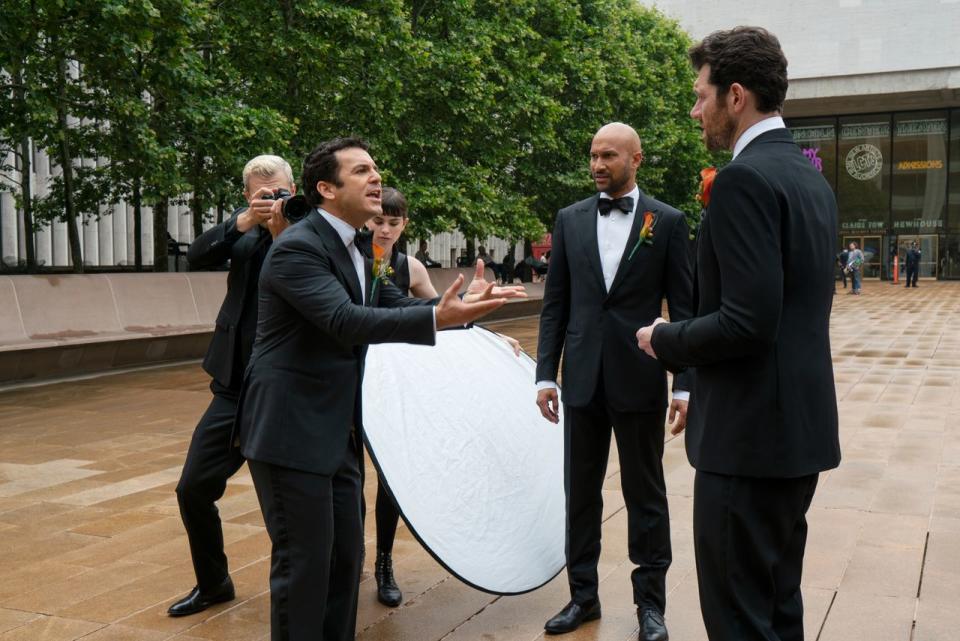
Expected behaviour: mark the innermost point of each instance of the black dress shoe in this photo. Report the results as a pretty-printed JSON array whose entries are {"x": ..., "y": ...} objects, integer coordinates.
[
  {"x": 388, "y": 593},
  {"x": 571, "y": 616},
  {"x": 198, "y": 601},
  {"x": 652, "y": 627}
]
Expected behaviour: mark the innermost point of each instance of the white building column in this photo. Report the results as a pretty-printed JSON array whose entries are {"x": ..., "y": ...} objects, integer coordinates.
[
  {"x": 146, "y": 235},
  {"x": 44, "y": 236},
  {"x": 8, "y": 222},
  {"x": 118, "y": 218},
  {"x": 89, "y": 228}
]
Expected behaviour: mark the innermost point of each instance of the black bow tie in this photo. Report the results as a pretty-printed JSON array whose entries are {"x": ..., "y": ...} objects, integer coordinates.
[
  {"x": 624, "y": 204},
  {"x": 364, "y": 242}
]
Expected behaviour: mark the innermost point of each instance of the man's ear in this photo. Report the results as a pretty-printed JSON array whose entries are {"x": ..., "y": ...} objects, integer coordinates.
[
  {"x": 326, "y": 190},
  {"x": 293, "y": 189},
  {"x": 737, "y": 97}
]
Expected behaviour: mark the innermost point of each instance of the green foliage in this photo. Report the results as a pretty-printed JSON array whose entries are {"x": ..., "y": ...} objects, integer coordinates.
[{"x": 481, "y": 111}]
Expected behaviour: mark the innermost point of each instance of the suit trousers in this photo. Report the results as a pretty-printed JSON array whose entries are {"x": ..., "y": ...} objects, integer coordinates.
[
  {"x": 316, "y": 533},
  {"x": 912, "y": 274},
  {"x": 211, "y": 460},
  {"x": 586, "y": 451},
  {"x": 749, "y": 539}
]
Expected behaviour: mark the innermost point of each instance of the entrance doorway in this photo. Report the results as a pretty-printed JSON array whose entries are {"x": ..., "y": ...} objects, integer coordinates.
[
  {"x": 870, "y": 245},
  {"x": 928, "y": 246}
]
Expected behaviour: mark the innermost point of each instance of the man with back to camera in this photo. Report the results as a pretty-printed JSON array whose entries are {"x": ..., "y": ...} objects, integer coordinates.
[
  {"x": 299, "y": 422},
  {"x": 605, "y": 275},
  {"x": 244, "y": 240},
  {"x": 763, "y": 415}
]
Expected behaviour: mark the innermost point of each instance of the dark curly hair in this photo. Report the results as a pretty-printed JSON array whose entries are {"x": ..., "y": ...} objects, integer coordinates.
[
  {"x": 750, "y": 56},
  {"x": 322, "y": 164}
]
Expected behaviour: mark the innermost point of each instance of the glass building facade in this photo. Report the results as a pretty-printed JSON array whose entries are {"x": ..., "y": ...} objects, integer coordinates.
[{"x": 897, "y": 181}]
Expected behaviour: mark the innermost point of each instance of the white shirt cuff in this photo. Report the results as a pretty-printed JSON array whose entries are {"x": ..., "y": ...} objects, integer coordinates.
[
  {"x": 680, "y": 395},
  {"x": 546, "y": 385}
]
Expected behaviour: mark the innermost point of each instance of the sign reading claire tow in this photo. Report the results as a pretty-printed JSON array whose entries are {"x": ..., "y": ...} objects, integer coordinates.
[{"x": 864, "y": 161}]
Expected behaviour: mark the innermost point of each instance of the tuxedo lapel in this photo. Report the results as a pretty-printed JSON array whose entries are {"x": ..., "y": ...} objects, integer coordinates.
[
  {"x": 374, "y": 296},
  {"x": 587, "y": 220},
  {"x": 626, "y": 262},
  {"x": 338, "y": 253}
]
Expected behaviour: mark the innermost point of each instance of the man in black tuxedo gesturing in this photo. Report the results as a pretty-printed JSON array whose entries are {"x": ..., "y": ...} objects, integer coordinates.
[
  {"x": 244, "y": 240},
  {"x": 299, "y": 419},
  {"x": 614, "y": 257},
  {"x": 763, "y": 416}
]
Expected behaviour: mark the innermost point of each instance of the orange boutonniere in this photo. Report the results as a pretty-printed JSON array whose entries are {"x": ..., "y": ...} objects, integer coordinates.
[
  {"x": 646, "y": 232},
  {"x": 382, "y": 271},
  {"x": 706, "y": 185}
]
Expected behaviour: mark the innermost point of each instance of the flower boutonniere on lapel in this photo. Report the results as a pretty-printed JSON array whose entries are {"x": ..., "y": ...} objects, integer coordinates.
[
  {"x": 707, "y": 174},
  {"x": 646, "y": 232},
  {"x": 382, "y": 271}
]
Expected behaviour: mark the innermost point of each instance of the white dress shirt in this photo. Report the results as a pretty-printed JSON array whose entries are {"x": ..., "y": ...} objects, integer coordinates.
[
  {"x": 347, "y": 234},
  {"x": 762, "y": 127},
  {"x": 612, "y": 232}
]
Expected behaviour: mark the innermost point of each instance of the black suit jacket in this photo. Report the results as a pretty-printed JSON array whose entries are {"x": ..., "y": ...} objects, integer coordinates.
[
  {"x": 301, "y": 393},
  {"x": 235, "y": 328},
  {"x": 913, "y": 258},
  {"x": 597, "y": 330},
  {"x": 763, "y": 403}
]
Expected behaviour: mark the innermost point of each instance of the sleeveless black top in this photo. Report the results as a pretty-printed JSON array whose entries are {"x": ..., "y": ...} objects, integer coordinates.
[
  {"x": 401, "y": 271},
  {"x": 398, "y": 261}
]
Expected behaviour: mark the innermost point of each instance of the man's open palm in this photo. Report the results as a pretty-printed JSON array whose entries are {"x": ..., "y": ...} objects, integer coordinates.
[{"x": 479, "y": 285}]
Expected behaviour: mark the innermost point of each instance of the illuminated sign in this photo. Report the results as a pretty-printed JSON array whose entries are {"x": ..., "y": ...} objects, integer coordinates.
[
  {"x": 919, "y": 165},
  {"x": 812, "y": 154},
  {"x": 862, "y": 225},
  {"x": 923, "y": 127},
  {"x": 919, "y": 223}
]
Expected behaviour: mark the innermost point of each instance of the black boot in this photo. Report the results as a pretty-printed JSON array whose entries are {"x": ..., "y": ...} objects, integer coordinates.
[{"x": 387, "y": 591}]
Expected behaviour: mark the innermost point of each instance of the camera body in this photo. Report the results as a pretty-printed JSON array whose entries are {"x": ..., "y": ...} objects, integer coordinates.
[{"x": 294, "y": 207}]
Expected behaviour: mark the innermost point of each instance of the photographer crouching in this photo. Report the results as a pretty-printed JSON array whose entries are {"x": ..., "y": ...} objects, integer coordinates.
[{"x": 244, "y": 240}]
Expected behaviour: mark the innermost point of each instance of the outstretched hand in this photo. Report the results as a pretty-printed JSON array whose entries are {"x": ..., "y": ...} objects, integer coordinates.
[
  {"x": 478, "y": 285},
  {"x": 453, "y": 312}
]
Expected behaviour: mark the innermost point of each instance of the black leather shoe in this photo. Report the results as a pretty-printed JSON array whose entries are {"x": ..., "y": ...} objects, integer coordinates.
[
  {"x": 652, "y": 627},
  {"x": 571, "y": 616},
  {"x": 198, "y": 601},
  {"x": 388, "y": 593}
]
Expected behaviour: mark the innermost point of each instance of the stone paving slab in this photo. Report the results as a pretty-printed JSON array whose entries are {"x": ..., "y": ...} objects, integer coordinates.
[{"x": 91, "y": 544}]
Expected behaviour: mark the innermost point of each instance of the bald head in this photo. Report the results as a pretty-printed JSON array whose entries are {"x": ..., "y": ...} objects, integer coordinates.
[
  {"x": 615, "y": 156},
  {"x": 621, "y": 134}
]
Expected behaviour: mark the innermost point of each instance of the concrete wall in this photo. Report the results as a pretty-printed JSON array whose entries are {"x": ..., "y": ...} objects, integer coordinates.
[{"x": 907, "y": 51}]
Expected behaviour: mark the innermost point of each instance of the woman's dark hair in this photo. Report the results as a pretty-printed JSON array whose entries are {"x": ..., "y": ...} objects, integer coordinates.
[
  {"x": 750, "y": 56},
  {"x": 322, "y": 164},
  {"x": 393, "y": 203}
]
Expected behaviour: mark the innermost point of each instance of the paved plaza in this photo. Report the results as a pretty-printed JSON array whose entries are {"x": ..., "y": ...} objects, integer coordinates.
[{"x": 92, "y": 547}]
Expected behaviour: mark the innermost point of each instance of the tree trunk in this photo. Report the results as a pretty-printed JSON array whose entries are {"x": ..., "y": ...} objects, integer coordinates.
[
  {"x": 471, "y": 250},
  {"x": 66, "y": 163},
  {"x": 26, "y": 168},
  {"x": 196, "y": 203},
  {"x": 26, "y": 192},
  {"x": 221, "y": 205},
  {"x": 160, "y": 236},
  {"x": 137, "y": 225}
]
